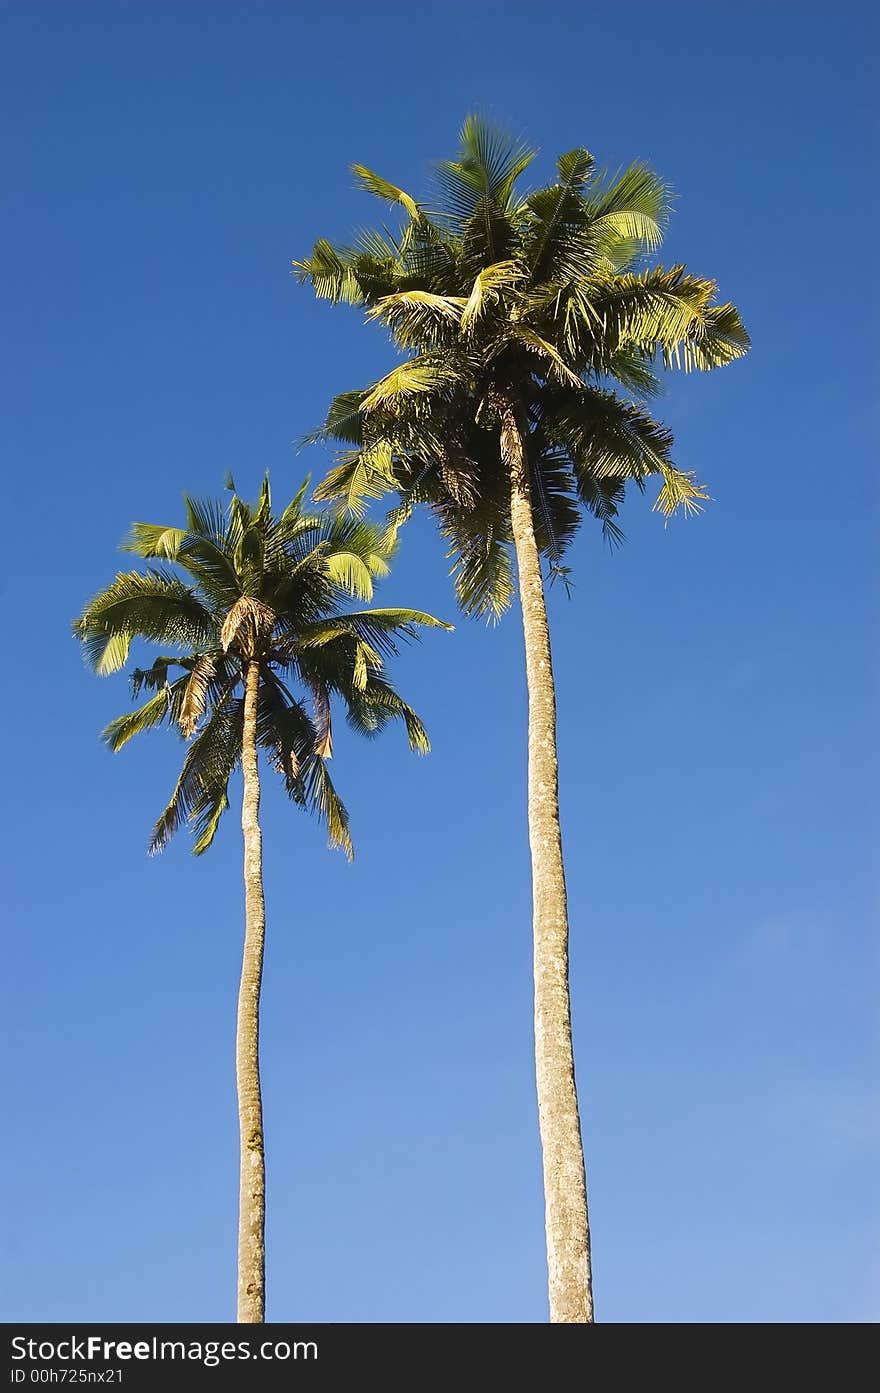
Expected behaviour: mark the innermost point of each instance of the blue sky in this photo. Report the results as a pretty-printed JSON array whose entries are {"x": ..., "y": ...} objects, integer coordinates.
[{"x": 163, "y": 165}]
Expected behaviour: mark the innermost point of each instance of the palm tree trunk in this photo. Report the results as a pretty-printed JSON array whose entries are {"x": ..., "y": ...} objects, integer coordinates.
[
  {"x": 252, "y": 1190},
  {"x": 565, "y": 1192}
]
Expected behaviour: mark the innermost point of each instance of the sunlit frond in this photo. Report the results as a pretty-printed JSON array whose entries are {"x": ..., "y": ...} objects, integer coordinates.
[
  {"x": 389, "y": 193},
  {"x": 488, "y": 286},
  {"x": 680, "y": 490},
  {"x": 420, "y": 375}
]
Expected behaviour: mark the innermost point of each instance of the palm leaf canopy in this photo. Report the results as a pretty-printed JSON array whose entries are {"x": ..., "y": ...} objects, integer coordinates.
[
  {"x": 243, "y": 583},
  {"x": 546, "y": 294}
]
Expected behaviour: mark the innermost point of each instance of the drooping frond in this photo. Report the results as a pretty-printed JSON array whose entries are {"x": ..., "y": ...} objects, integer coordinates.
[
  {"x": 424, "y": 374},
  {"x": 666, "y": 310},
  {"x": 418, "y": 319},
  {"x": 482, "y": 569},
  {"x": 488, "y": 286},
  {"x": 680, "y": 490},
  {"x": 603, "y": 498},
  {"x": 370, "y": 709},
  {"x": 156, "y": 606},
  {"x": 389, "y": 193},
  {"x": 322, "y": 797},
  {"x": 204, "y": 777},
  {"x": 605, "y": 436},
  {"x": 286, "y": 730},
  {"x": 163, "y": 706},
  {"x": 321, "y": 718},
  {"x": 721, "y": 339},
  {"x": 351, "y": 574},
  {"x": 195, "y": 693}
]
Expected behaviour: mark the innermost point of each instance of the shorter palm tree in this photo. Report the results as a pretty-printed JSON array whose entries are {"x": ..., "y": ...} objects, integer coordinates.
[{"x": 254, "y": 606}]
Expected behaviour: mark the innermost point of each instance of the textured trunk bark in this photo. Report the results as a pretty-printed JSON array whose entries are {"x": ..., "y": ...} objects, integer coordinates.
[
  {"x": 565, "y": 1192},
  {"x": 252, "y": 1188}
]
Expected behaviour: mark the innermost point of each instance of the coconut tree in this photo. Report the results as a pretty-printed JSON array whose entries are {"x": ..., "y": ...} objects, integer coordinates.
[
  {"x": 532, "y": 330},
  {"x": 255, "y": 608}
]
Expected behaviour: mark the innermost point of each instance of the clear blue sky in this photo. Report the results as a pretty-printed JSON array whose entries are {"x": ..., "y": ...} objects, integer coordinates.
[{"x": 163, "y": 163}]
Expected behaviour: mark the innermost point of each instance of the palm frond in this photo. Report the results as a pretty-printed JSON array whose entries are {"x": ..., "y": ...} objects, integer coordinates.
[
  {"x": 195, "y": 693},
  {"x": 148, "y": 540},
  {"x": 204, "y": 777},
  {"x": 680, "y": 490},
  {"x": 418, "y": 318},
  {"x": 635, "y": 191},
  {"x": 163, "y": 706},
  {"x": 419, "y": 375},
  {"x": 372, "y": 708},
  {"x": 488, "y": 285},
  {"x": 556, "y": 211},
  {"x": 381, "y": 188},
  {"x": 331, "y": 274},
  {"x": 343, "y": 421},
  {"x": 156, "y": 606},
  {"x": 488, "y": 165},
  {"x": 322, "y": 797},
  {"x": 552, "y": 362}
]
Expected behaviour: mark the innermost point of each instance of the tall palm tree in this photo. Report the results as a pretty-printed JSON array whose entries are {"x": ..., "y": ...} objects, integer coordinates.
[
  {"x": 532, "y": 330},
  {"x": 254, "y": 606}
]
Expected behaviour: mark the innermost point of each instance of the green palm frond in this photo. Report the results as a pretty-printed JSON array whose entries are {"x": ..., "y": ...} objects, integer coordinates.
[
  {"x": 382, "y": 629},
  {"x": 389, "y": 193},
  {"x": 149, "y": 540},
  {"x": 154, "y": 678},
  {"x": 286, "y": 730},
  {"x": 322, "y": 798},
  {"x": 156, "y": 606},
  {"x": 419, "y": 319},
  {"x": 680, "y": 490},
  {"x": 488, "y": 165},
  {"x": 204, "y": 777},
  {"x": 371, "y": 708},
  {"x": 550, "y": 359},
  {"x": 604, "y": 435},
  {"x": 603, "y": 498},
  {"x": 351, "y": 574},
  {"x": 632, "y": 192},
  {"x": 164, "y": 706},
  {"x": 331, "y": 274},
  {"x": 343, "y": 421},
  {"x": 489, "y": 284},
  {"x": 421, "y": 375},
  {"x": 358, "y": 478}
]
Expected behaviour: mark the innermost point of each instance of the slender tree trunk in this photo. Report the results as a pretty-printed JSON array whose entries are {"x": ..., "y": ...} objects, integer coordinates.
[
  {"x": 565, "y": 1192},
  {"x": 252, "y": 1190}
]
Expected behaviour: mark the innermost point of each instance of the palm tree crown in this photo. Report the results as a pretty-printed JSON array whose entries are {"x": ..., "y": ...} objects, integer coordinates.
[
  {"x": 242, "y": 584},
  {"x": 542, "y": 295}
]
